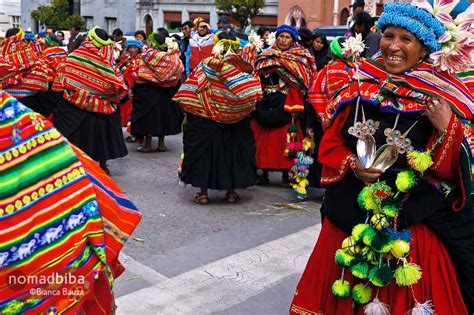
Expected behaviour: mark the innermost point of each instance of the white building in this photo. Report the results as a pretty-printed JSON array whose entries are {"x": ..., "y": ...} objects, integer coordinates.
[
  {"x": 10, "y": 12},
  {"x": 151, "y": 14}
]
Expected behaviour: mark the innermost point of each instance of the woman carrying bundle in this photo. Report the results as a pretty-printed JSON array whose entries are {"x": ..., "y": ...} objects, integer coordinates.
[
  {"x": 153, "y": 112},
  {"x": 93, "y": 87},
  {"x": 219, "y": 149}
]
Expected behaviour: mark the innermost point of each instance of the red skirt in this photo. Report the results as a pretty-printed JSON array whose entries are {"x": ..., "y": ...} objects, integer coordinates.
[
  {"x": 270, "y": 146},
  {"x": 313, "y": 294},
  {"x": 125, "y": 111}
]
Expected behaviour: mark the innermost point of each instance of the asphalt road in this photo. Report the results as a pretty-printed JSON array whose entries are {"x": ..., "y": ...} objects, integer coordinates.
[{"x": 185, "y": 258}]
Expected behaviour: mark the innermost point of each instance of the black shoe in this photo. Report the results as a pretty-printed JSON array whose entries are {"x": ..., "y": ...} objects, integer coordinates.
[
  {"x": 262, "y": 180},
  {"x": 285, "y": 180}
]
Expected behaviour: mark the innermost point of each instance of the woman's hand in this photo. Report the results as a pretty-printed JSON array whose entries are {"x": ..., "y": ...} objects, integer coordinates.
[
  {"x": 367, "y": 175},
  {"x": 439, "y": 113}
]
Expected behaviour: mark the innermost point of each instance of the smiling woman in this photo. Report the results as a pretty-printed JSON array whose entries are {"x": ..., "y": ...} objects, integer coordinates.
[
  {"x": 401, "y": 50},
  {"x": 384, "y": 227}
]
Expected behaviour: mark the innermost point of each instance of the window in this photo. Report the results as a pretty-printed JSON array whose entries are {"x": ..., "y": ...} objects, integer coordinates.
[
  {"x": 15, "y": 21},
  {"x": 111, "y": 24},
  {"x": 89, "y": 22}
]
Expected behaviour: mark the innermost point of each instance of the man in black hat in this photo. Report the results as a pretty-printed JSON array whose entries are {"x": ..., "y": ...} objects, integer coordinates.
[{"x": 357, "y": 7}]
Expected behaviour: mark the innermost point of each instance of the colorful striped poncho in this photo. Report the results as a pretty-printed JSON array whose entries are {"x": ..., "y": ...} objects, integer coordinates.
[
  {"x": 31, "y": 75},
  {"x": 220, "y": 90},
  {"x": 91, "y": 82},
  {"x": 334, "y": 76},
  {"x": 61, "y": 217},
  {"x": 55, "y": 59},
  {"x": 295, "y": 65},
  {"x": 161, "y": 68}
]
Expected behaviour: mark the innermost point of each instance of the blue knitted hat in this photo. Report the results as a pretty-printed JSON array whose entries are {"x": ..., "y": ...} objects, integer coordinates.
[
  {"x": 134, "y": 43},
  {"x": 289, "y": 29},
  {"x": 419, "y": 22}
]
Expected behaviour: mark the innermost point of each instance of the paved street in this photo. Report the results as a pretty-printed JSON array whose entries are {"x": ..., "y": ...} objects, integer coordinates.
[{"x": 215, "y": 259}]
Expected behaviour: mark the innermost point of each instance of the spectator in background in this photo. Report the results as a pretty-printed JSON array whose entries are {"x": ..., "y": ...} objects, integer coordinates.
[
  {"x": 117, "y": 37},
  {"x": 320, "y": 50},
  {"x": 60, "y": 37},
  {"x": 186, "y": 28},
  {"x": 357, "y": 7},
  {"x": 50, "y": 30},
  {"x": 363, "y": 25},
  {"x": 140, "y": 36},
  {"x": 305, "y": 38},
  {"x": 264, "y": 33},
  {"x": 76, "y": 38},
  {"x": 200, "y": 46}
]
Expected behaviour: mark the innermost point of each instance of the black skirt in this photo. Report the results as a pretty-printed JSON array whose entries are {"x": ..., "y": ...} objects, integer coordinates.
[
  {"x": 37, "y": 104},
  {"x": 153, "y": 112},
  {"x": 98, "y": 135},
  {"x": 218, "y": 156}
]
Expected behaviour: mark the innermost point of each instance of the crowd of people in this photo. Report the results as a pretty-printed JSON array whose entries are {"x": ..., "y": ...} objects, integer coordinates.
[{"x": 379, "y": 117}]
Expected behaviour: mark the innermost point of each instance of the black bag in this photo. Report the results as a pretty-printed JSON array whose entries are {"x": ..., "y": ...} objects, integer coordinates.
[{"x": 270, "y": 111}]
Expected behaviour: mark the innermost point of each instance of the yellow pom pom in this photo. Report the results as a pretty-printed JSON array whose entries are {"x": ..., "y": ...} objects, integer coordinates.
[
  {"x": 407, "y": 274},
  {"x": 419, "y": 161},
  {"x": 349, "y": 246},
  {"x": 379, "y": 221},
  {"x": 405, "y": 181},
  {"x": 400, "y": 248}
]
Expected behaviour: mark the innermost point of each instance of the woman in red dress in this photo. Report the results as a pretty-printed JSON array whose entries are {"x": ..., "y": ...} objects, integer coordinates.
[
  {"x": 284, "y": 70},
  {"x": 414, "y": 108}
]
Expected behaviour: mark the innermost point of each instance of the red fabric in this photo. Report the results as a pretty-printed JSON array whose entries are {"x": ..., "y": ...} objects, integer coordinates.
[
  {"x": 125, "y": 111},
  {"x": 198, "y": 54},
  {"x": 270, "y": 145},
  {"x": 313, "y": 294},
  {"x": 333, "y": 154}
]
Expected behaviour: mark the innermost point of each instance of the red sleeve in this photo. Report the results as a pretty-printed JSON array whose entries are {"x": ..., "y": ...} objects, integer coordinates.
[
  {"x": 446, "y": 158},
  {"x": 334, "y": 155}
]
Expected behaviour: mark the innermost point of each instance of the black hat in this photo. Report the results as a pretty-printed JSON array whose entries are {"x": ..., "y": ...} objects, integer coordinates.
[{"x": 358, "y": 3}]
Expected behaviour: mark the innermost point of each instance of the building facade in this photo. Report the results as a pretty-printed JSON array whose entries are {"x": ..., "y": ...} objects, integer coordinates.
[
  {"x": 109, "y": 14},
  {"x": 316, "y": 13},
  {"x": 10, "y": 15},
  {"x": 151, "y": 14}
]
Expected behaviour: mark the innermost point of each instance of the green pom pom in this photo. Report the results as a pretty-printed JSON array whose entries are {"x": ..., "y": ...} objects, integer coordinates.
[
  {"x": 406, "y": 180},
  {"x": 341, "y": 289},
  {"x": 360, "y": 270},
  {"x": 381, "y": 242},
  {"x": 390, "y": 210},
  {"x": 419, "y": 161},
  {"x": 408, "y": 274},
  {"x": 358, "y": 231},
  {"x": 370, "y": 255},
  {"x": 361, "y": 294},
  {"x": 369, "y": 235},
  {"x": 380, "y": 277},
  {"x": 343, "y": 259},
  {"x": 367, "y": 200}
]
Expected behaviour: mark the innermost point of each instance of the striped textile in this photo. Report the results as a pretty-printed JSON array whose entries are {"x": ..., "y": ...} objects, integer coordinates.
[
  {"x": 295, "y": 65},
  {"x": 31, "y": 74},
  {"x": 334, "y": 76},
  {"x": 60, "y": 216},
  {"x": 220, "y": 90},
  {"x": 91, "y": 82},
  {"x": 407, "y": 92},
  {"x": 468, "y": 78},
  {"x": 161, "y": 68},
  {"x": 55, "y": 59}
]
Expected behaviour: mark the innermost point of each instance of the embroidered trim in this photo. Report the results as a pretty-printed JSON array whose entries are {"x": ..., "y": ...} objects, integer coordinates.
[
  {"x": 342, "y": 171},
  {"x": 302, "y": 311},
  {"x": 448, "y": 140}
]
